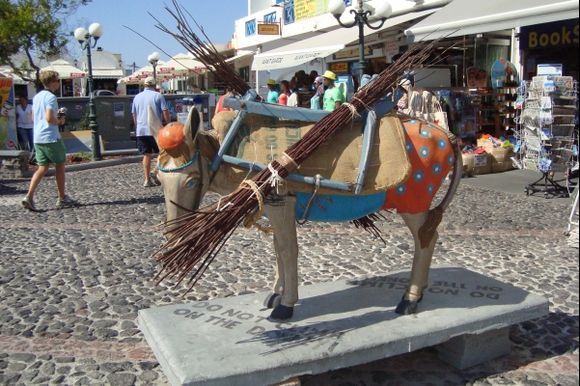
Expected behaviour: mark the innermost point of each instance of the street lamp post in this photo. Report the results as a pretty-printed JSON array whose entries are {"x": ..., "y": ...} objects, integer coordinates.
[
  {"x": 154, "y": 59},
  {"x": 88, "y": 39},
  {"x": 364, "y": 14}
]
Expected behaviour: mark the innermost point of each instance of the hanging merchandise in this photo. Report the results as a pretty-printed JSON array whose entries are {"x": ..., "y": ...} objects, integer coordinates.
[
  {"x": 503, "y": 74},
  {"x": 546, "y": 131}
]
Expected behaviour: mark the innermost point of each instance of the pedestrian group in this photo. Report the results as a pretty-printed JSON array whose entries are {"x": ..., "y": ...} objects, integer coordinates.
[{"x": 38, "y": 125}]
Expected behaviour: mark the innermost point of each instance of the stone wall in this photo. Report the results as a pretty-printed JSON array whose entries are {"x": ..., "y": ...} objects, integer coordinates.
[{"x": 14, "y": 164}]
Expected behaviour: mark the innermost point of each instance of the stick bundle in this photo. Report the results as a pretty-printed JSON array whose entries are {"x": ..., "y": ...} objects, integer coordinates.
[
  {"x": 197, "y": 237},
  {"x": 204, "y": 51}
]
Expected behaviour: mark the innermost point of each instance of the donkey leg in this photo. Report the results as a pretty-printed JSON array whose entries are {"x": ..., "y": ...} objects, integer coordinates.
[
  {"x": 282, "y": 219},
  {"x": 273, "y": 299},
  {"x": 421, "y": 264}
]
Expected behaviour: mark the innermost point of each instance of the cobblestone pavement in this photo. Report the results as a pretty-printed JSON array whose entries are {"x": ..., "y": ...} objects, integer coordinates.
[{"x": 72, "y": 281}]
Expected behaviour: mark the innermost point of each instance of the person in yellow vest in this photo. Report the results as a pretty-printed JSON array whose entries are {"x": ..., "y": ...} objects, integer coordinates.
[{"x": 333, "y": 98}]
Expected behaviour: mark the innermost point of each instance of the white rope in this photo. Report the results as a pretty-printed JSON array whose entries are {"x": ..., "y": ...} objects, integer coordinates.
[
  {"x": 275, "y": 178},
  {"x": 219, "y": 209},
  {"x": 352, "y": 110},
  {"x": 367, "y": 107}
]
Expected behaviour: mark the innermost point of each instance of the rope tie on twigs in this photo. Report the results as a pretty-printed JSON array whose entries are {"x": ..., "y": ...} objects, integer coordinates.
[
  {"x": 366, "y": 106},
  {"x": 275, "y": 178},
  {"x": 287, "y": 162},
  {"x": 352, "y": 109},
  {"x": 252, "y": 219},
  {"x": 220, "y": 208}
]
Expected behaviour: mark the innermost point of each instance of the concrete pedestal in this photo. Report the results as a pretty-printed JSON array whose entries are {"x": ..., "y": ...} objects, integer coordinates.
[
  {"x": 339, "y": 324},
  {"x": 472, "y": 349}
]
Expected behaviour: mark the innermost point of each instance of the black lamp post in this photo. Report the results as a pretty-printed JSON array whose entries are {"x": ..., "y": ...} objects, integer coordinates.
[
  {"x": 88, "y": 39},
  {"x": 364, "y": 14},
  {"x": 154, "y": 59}
]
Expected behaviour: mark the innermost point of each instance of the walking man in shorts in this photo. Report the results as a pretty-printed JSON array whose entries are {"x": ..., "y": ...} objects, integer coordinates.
[
  {"x": 48, "y": 144},
  {"x": 146, "y": 99}
]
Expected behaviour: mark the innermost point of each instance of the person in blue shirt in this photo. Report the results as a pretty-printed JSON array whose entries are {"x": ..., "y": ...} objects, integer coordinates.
[
  {"x": 48, "y": 144},
  {"x": 142, "y": 103},
  {"x": 316, "y": 100},
  {"x": 272, "y": 94}
]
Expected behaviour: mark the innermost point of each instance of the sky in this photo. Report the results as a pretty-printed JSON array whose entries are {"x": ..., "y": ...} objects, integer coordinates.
[{"x": 216, "y": 17}]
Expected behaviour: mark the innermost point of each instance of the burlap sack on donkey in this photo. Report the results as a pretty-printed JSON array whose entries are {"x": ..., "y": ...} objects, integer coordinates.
[{"x": 262, "y": 139}]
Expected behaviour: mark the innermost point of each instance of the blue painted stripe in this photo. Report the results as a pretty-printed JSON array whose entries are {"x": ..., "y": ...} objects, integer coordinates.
[{"x": 338, "y": 207}]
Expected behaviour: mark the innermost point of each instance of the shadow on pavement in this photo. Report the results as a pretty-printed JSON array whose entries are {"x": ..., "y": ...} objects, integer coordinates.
[
  {"x": 132, "y": 201},
  {"x": 11, "y": 190}
]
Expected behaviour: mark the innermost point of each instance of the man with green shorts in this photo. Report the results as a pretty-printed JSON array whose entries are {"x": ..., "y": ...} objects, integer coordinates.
[{"x": 48, "y": 145}]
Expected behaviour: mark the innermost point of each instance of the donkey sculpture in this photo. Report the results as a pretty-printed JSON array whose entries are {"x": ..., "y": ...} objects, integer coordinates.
[{"x": 186, "y": 175}]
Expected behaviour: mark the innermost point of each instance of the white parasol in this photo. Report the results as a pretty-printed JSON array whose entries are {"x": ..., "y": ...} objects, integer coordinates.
[
  {"x": 184, "y": 64},
  {"x": 65, "y": 69}
]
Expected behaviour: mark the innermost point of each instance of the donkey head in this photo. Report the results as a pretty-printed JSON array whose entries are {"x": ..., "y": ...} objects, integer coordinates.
[{"x": 181, "y": 169}]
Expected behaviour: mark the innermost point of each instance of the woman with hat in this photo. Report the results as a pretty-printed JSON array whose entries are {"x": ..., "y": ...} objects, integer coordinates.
[
  {"x": 316, "y": 100},
  {"x": 333, "y": 97},
  {"x": 272, "y": 94}
]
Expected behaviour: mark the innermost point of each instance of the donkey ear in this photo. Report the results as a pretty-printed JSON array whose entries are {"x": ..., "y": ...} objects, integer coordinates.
[
  {"x": 154, "y": 122},
  {"x": 193, "y": 124}
]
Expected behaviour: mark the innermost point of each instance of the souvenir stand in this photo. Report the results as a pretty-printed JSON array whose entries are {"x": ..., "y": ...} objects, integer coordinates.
[
  {"x": 482, "y": 115},
  {"x": 547, "y": 131}
]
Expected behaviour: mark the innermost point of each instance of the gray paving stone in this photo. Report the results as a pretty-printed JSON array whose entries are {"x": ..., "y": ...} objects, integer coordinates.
[
  {"x": 121, "y": 379},
  {"x": 59, "y": 262},
  {"x": 23, "y": 357}
]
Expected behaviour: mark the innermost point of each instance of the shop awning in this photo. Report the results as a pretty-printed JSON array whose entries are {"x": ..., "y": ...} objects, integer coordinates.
[
  {"x": 467, "y": 17},
  {"x": 8, "y": 73},
  {"x": 103, "y": 73},
  {"x": 320, "y": 46},
  {"x": 241, "y": 54},
  {"x": 286, "y": 59}
]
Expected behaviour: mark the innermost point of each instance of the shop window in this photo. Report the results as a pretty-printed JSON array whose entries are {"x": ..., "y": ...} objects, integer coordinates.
[
  {"x": 289, "y": 12},
  {"x": 67, "y": 88},
  {"x": 270, "y": 18},
  {"x": 245, "y": 73},
  {"x": 251, "y": 27},
  {"x": 181, "y": 85}
]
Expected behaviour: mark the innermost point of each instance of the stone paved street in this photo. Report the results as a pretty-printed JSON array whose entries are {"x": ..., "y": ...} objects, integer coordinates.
[{"x": 72, "y": 281}]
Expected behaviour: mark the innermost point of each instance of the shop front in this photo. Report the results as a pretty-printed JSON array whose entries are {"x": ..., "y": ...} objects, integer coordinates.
[
  {"x": 335, "y": 50},
  {"x": 550, "y": 43},
  {"x": 480, "y": 46}
]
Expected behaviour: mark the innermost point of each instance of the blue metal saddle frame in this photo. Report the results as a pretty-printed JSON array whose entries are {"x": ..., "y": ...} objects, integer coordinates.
[{"x": 323, "y": 207}]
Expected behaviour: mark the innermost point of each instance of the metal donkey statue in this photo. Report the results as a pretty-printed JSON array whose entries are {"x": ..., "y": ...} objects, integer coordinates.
[{"x": 200, "y": 163}]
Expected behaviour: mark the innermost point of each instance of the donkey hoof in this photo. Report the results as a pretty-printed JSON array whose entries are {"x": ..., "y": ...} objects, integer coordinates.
[
  {"x": 272, "y": 300},
  {"x": 407, "y": 307},
  {"x": 281, "y": 312}
]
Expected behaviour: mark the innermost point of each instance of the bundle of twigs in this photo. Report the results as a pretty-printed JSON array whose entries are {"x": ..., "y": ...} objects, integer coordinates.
[
  {"x": 204, "y": 51},
  {"x": 197, "y": 237}
]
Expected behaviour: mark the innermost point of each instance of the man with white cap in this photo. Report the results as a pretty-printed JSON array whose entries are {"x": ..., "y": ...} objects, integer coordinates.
[
  {"x": 148, "y": 100},
  {"x": 333, "y": 97}
]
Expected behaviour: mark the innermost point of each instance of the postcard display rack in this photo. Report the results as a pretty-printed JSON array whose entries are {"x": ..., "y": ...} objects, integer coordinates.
[{"x": 546, "y": 131}]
